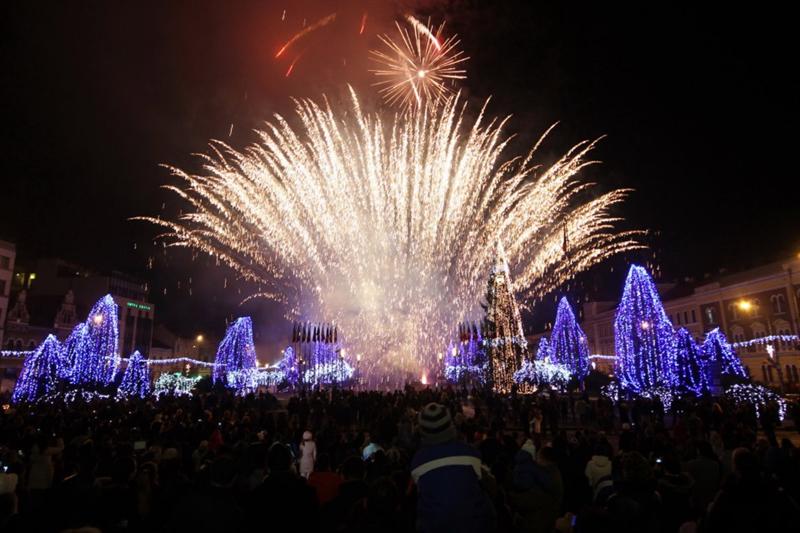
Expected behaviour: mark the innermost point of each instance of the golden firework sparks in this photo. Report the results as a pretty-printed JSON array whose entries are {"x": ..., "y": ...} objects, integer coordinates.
[
  {"x": 418, "y": 68},
  {"x": 388, "y": 224}
]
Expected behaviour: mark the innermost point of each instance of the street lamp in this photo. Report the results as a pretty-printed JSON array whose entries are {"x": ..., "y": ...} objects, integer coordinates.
[{"x": 744, "y": 305}]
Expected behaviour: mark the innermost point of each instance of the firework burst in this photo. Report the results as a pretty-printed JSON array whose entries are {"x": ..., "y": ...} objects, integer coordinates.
[
  {"x": 418, "y": 68},
  {"x": 388, "y": 224}
]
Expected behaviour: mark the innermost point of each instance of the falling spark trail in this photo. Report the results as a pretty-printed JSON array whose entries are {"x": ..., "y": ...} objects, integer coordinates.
[
  {"x": 387, "y": 223},
  {"x": 319, "y": 24},
  {"x": 291, "y": 67},
  {"x": 423, "y": 29},
  {"x": 363, "y": 24}
]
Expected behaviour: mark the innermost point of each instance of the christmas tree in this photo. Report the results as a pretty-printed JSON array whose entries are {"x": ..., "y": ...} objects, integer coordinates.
[
  {"x": 690, "y": 364},
  {"x": 503, "y": 339},
  {"x": 236, "y": 351},
  {"x": 95, "y": 350},
  {"x": 568, "y": 344},
  {"x": 41, "y": 372},
  {"x": 721, "y": 357},
  {"x": 643, "y": 337},
  {"x": 74, "y": 353},
  {"x": 465, "y": 362},
  {"x": 543, "y": 351},
  {"x": 136, "y": 380},
  {"x": 289, "y": 366}
]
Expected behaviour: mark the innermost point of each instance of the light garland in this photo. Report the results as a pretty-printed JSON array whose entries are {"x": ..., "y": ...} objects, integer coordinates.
[
  {"x": 15, "y": 354},
  {"x": 568, "y": 345},
  {"x": 611, "y": 391},
  {"x": 769, "y": 339},
  {"x": 543, "y": 351},
  {"x": 756, "y": 395}
]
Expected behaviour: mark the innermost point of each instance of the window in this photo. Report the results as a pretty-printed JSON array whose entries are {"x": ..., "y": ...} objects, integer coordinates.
[
  {"x": 734, "y": 309},
  {"x": 778, "y": 303},
  {"x": 2, "y": 290},
  {"x": 694, "y": 317},
  {"x": 31, "y": 345},
  {"x": 678, "y": 318},
  {"x": 5, "y": 262},
  {"x": 710, "y": 318},
  {"x": 685, "y": 317}
]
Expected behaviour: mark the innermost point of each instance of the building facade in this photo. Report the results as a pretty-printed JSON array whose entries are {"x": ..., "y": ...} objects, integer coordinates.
[
  {"x": 748, "y": 305},
  {"x": 8, "y": 255}
]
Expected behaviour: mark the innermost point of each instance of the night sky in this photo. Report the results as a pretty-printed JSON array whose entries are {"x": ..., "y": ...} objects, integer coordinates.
[{"x": 699, "y": 107}]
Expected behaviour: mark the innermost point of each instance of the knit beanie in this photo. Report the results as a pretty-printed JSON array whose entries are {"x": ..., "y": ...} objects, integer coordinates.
[{"x": 435, "y": 424}]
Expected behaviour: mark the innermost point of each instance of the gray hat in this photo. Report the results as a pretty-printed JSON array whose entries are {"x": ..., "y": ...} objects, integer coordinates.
[{"x": 435, "y": 424}]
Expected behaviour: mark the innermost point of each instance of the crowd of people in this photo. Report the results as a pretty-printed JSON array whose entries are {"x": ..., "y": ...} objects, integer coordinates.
[{"x": 413, "y": 460}]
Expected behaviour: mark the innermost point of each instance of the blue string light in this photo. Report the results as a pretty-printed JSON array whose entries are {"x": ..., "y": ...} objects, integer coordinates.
[
  {"x": 690, "y": 364},
  {"x": 568, "y": 344},
  {"x": 236, "y": 351},
  {"x": 41, "y": 372},
  {"x": 643, "y": 337},
  {"x": 543, "y": 350},
  {"x": 136, "y": 380},
  {"x": 720, "y": 354}
]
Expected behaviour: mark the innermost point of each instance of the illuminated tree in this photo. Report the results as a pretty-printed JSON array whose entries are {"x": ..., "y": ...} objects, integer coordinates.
[
  {"x": 720, "y": 355},
  {"x": 568, "y": 344},
  {"x": 643, "y": 337},
  {"x": 136, "y": 380},
  {"x": 543, "y": 351},
  {"x": 503, "y": 339},
  {"x": 690, "y": 364},
  {"x": 94, "y": 351},
  {"x": 236, "y": 351},
  {"x": 41, "y": 372}
]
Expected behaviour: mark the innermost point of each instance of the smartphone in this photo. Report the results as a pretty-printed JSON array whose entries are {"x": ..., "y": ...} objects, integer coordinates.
[
  {"x": 658, "y": 460},
  {"x": 139, "y": 445}
]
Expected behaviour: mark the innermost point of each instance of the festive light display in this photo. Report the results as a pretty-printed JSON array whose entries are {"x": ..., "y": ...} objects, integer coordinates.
[
  {"x": 15, "y": 354},
  {"x": 174, "y": 384},
  {"x": 93, "y": 349},
  {"x": 568, "y": 344},
  {"x": 41, "y": 372},
  {"x": 248, "y": 380},
  {"x": 289, "y": 366},
  {"x": 543, "y": 351},
  {"x": 180, "y": 360},
  {"x": 136, "y": 379},
  {"x": 504, "y": 340},
  {"x": 543, "y": 374},
  {"x": 720, "y": 356},
  {"x": 643, "y": 337},
  {"x": 769, "y": 339},
  {"x": 236, "y": 351},
  {"x": 386, "y": 223},
  {"x": 417, "y": 69},
  {"x": 465, "y": 361},
  {"x": 690, "y": 364},
  {"x": 757, "y": 396},
  {"x": 611, "y": 391}
]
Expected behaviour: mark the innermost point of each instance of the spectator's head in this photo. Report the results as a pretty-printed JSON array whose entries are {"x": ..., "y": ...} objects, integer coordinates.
[
  {"x": 636, "y": 471},
  {"x": 323, "y": 462},
  {"x": 280, "y": 459},
  {"x": 307, "y": 436},
  {"x": 435, "y": 424},
  {"x": 353, "y": 469},
  {"x": 223, "y": 472},
  {"x": 705, "y": 450},
  {"x": 546, "y": 456},
  {"x": 745, "y": 463},
  {"x": 383, "y": 497}
]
